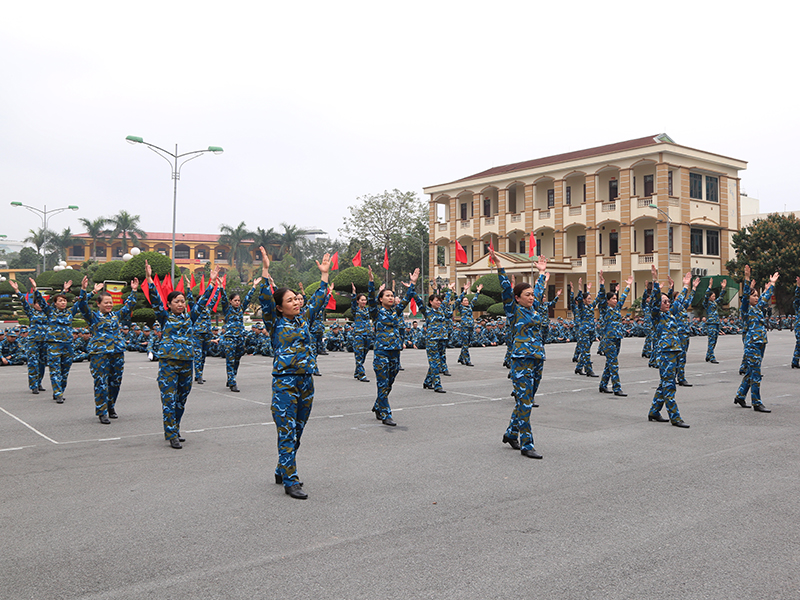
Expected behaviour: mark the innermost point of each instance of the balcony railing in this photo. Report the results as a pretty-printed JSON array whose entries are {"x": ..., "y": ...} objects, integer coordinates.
[
  {"x": 442, "y": 226},
  {"x": 577, "y": 262},
  {"x": 516, "y": 218},
  {"x": 675, "y": 258},
  {"x": 645, "y": 259},
  {"x": 674, "y": 201},
  {"x": 465, "y": 224},
  {"x": 488, "y": 220},
  {"x": 609, "y": 261},
  {"x": 575, "y": 211},
  {"x": 643, "y": 202},
  {"x": 609, "y": 207},
  {"x": 544, "y": 214}
]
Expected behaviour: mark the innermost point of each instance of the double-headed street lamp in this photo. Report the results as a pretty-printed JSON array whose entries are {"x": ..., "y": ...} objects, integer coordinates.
[
  {"x": 45, "y": 216},
  {"x": 172, "y": 159}
]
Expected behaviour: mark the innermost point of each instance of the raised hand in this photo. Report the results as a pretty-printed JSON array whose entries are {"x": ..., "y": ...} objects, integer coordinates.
[
  {"x": 67, "y": 285},
  {"x": 686, "y": 279},
  {"x": 480, "y": 287},
  {"x": 672, "y": 283},
  {"x": 148, "y": 271},
  {"x": 654, "y": 272},
  {"x": 264, "y": 258},
  {"x": 558, "y": 293},
  {"x": 774, "y": 278},
  {"x": 371, "y": 276},
  {"x": 98, "y": 287},
  {"x": 33, "y": 285},
  {"x": 325, "y": 265},
  {"x": 695, "y": 283},
  {"x": 629, "y": 281},
  {"x": 353, "y": 285},
  {"x": 542, "y": 264},
  {"x": 84, "y": 283},
  {"x": 724, "y": 284},
  {"x": 256, "y": 281},
  {"x": 600, "y": 279},
  {"x": 747, "y": 272},
  {"x": 15, "y": 285},
  {"x": 711, "y": 283},
  {"x": 135, "y": 284},
  {"x": 413, "y": 277},
  {"x": 214, "y": 275},
  {"x": 494, "y": 258}
]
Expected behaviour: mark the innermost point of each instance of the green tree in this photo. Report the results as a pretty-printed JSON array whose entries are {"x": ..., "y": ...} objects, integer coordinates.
[
  {"x": 39, "y": 238},
  {"x": 127, "y": 226},
  {"x": 60, "y": 243},
  {"x": 291, "y": 238},
  {"x": 96, "y": 230},
  {"x": 395, "y": 220},
  {"x": 26, "y": 259},
  {"x": 769, "y": 245},
  {"x": 236, "y": 239},
  {"x": 269, "y": 239},
  {"x": 135, "y": 267}
]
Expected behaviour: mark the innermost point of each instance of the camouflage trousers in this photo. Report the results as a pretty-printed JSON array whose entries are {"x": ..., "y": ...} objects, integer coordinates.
[
  {"x": 59, "y": 361},
  {"x": 665, "y": 394},
  {"x": 526, "y": 374},
  {"x": 680, "y": 372},
  {"x": 200, "y": 352},
  {"x": 647, "y": 349},
  {"x": 751, "y": 382},
  {"x": 796, "y": 355},
  {"x": 712, "y": 331},
  {"x": 106, "y": 371},
  {"x": 234, "y": 350},
  {"x": 386, "y": 364},
  {"x": 360, "y": 350},
  {"x": 466, "y": 340},
  {"x": 611, "y": 370},
  {"x": 175, "y": 383},
  {"x": 584, "y": 349},
  {"x": 37, "y": 360},
  {"x": 435, "y": 350},
  {"x": 292, "y": 397}
]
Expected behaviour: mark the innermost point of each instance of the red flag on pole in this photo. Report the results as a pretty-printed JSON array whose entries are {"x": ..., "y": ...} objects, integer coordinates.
[
  {"x": 193, "y": 283},
  {"x": 179, "y": 287},
  {"x": 386, "y": 257},
  {"x": 491, "y": 247},
  {"x": 166, "y": 284},
  {"x": 216, "y": 304},
  {"x": 335, "y": 261},
  {"x": 331, "y": 305},
  {"x": 160, "y": 290},
  {"x": 146, "y": 291},
  {"x": 202, "y": 283},
  {"x": 461, "y": 254},
  {"x": 357, "y": 259},
  {"x": 412, "y": 305},
  {"x": 532, "y": 246}
]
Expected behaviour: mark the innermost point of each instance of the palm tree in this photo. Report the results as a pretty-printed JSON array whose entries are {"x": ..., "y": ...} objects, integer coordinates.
[
  {"x": 235, "y": 239},
  {"x": 270, "y": 239},
  {"x": 39, "y": 238},
  {"x": 60, "y": 243},
  {"x": 128, "y": 226},
  {"x": 96, "y": 230},
  {"x": 291, "y": 238}
]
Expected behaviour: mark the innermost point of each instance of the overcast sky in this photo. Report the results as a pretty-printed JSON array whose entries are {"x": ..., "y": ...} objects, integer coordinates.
[{"x": 319, "y": 103}]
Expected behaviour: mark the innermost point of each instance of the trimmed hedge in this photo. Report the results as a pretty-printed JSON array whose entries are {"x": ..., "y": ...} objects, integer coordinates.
[
  {"x": 496, "y": 310},
  {"x": 109, "y": 271},
  {"x": 135, "y": 266},
  {"x": 491, "y": 286},
  {"x": 144, "y": 315}
]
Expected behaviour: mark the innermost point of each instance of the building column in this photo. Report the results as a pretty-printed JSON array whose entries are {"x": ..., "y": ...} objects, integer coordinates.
[
  {"x": 591, "y": 230},
  {"x": 724, "y": 233},
  {"x": 432, "y": 247},
  {"x": 502, "y": 241},
  {"x": 662, "y": 235},
  {"x": 625, "y": 227}
]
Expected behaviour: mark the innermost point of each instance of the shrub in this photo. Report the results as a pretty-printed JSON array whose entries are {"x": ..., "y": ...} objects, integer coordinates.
[
  {"x": 135, "y": 266},
  {"x": 496, "y": 310},
  {"x": 352, "y": 275},
  {"x": 144, "y": 315},
  {"x": 5, "y": 287},
  {"x": 491, "y": 286},
  {"x": 59, "y": 278},
  {"x": 109, "y": 271},
  {"x": 44, "y": 278},
  {"x": 483, "y": 302}
]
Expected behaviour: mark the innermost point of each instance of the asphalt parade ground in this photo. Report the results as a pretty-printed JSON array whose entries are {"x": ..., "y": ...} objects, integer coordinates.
[{"x": 437, "y": 507}]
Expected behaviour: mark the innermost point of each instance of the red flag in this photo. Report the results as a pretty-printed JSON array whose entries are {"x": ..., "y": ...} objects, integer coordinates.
[
  {"x": 224, "y": 277},
  {"x": 357, "y": 259},
  {"x": 179, "y": 287},
  {"x": 491, "y": 247},
  {"x": 532, "y": 246},
  {"x": 202, "y": 283},
  {"x": 386, "y": 257},
  {"x": 166, "y": 285},
  {"x": 331, "y": 305},
  {"x": 193, "y": 283},
  {"x": 461, "y": 254},
  {"x": 335, "y": 261},
  {"x": 412, "y": 305},
  {"x": 146, "y": 291},
  {"x": 224, "y": 280},
  {"x": 160, "y": 290}
]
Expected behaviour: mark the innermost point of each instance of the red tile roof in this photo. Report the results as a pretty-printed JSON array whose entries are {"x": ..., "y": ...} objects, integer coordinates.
[
  {"x": 167, "y": 237},
  {"x": 652, "y": 140}
]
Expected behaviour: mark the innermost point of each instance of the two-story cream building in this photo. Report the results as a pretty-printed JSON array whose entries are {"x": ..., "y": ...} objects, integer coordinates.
[{"x": 618, "y": 208}]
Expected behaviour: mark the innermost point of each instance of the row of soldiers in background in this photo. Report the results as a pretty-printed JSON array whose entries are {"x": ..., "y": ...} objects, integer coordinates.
[{"x": 14, "y": 347}]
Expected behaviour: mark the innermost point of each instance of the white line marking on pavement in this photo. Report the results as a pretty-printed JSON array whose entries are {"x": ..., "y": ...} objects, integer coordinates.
[{"x": 33, "y": 429}]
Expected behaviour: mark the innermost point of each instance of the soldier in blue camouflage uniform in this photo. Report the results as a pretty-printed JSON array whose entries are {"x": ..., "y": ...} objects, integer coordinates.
[
  {"x": 684, "y": 334},
  {"x": 107, "y": 347},
  {"x": 233, "y": 340},
  {"x": 712, "y": 318},
  {"x": 202, "y": 334},
  {"x": 796, "y": 355},
  {"x": 363, "y": 335},
  {"x": 176, "y": 356},
  {"x": 59, "y": 340},
  {"x": 154, "y": 343},
  {"x": 436, "y": 313},
  {"x": 80, "y": 346},
  {"x": 667, "y": 343},
  {"x": 389, "y": 325},
  {"x": 544, "y": 310},
  {"x": 584, "y": 307},
  {"x": 611, "y": 305},
  {"x": 335, "y": 340},
  {"x": 36, "y": 351},
  {"x": 11, "y": 353},
  {"x": 647, "y": 298},
  {"x": 524, "y": 320},
  {"x": 753, "y": 312},
  {"x": 465, "y": 309},
  {"x": 293, "y": 364}
]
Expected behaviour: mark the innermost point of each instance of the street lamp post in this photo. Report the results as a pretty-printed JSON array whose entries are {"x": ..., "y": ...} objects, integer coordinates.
[
  {"x": 45, "y": 216},
  {"x": 172, "y": 159}
]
